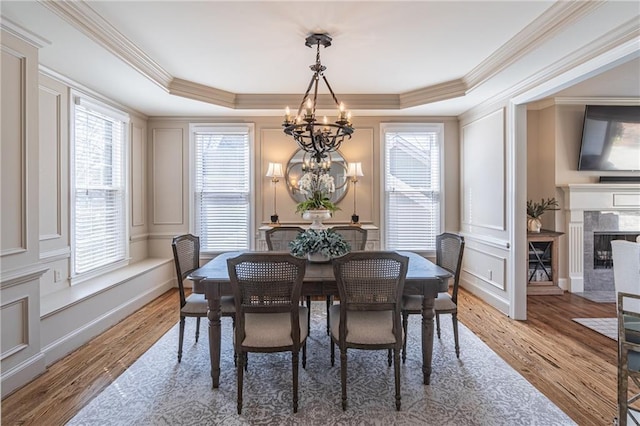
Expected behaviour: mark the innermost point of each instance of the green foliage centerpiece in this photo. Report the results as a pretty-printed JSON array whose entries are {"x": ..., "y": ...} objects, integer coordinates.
[{"x": 324, "y": 242}]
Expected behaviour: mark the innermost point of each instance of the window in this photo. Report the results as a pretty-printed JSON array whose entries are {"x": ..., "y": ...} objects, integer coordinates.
[
  {"x": 99, "y": 182},
  {"x": 412, "y": 186},
  {"x": 222, "y": 195}
]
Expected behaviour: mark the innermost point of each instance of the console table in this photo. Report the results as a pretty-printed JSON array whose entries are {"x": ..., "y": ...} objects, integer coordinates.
[
  {"x": 373, "y": 235},
  {"x": 542, "y": 273}
]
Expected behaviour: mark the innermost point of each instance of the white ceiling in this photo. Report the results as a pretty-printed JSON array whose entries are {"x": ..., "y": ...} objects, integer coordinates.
[{"x": 409, "y": 58}]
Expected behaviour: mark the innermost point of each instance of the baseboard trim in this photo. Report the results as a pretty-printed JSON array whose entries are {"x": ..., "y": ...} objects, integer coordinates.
[
  {"x": 492, "y": 299},
  {"x": 71, "y": 341},
  {"x": 23, "y": 373}
]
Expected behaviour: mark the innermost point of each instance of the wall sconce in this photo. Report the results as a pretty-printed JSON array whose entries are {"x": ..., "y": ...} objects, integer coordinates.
[
  {"x": 275, "y": 173},
  {"x": 354, "y": 172}
]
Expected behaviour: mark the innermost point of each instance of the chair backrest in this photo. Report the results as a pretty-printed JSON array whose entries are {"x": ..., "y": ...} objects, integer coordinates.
[
  {"x": 370, "y": 280},
  {"x": 186, "y": 256},
  {"x": 354, "y": 235},
  {"x": 626, "y": 269},
  {"x": 629, "y": 323},
  {"x": 449, "y": 251},
  {"x": 279, "y": 237},
  {"x": 265, "y": 282}
]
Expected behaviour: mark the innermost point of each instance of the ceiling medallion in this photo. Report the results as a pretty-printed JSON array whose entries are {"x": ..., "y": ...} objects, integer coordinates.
[{"x": 317, "y": 138}]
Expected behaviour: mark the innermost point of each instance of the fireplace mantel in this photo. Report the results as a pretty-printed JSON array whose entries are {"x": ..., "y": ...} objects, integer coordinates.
[{"x": 579, "y": 198}]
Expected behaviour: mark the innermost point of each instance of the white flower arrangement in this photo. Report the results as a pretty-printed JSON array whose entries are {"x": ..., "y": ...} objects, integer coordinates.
[
  {"x": 316, "y": 186},
  {"x": 312, "y": 182}
]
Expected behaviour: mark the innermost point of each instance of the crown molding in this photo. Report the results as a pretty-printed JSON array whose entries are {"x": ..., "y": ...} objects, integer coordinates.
[
  {"x": 596, "y": 101},
  {"x": 200, "y": 92},
  {"x": 555, "y": 19},
  {"x": 23, "y": 33},
  {"x": 617, "y": 45},
  {"x": 439, "y": 92},
  {"x": 82, "y": 17},
  {"x": 552, "y": 21}
]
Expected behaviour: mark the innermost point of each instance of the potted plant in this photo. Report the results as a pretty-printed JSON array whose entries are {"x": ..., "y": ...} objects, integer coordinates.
[
  {"x": 535, "y": 210},
  {"x": 319, "y": 245},
  {"x": 316, "y": 185}
]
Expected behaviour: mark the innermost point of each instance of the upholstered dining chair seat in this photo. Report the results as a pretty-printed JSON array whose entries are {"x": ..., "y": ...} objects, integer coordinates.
[
  {"x": 197, "y": 304},
  {"x": 364, "y": 327},
  {"x": 442, "y": 303},
  {"x": 272, "y": 330}
]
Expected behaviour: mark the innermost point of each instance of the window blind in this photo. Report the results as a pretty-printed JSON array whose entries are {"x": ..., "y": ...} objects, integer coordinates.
[
  {"x": 412, "y": 189},
  {"x": 99, "y": 228},
  {"x": 222, "y": 190}
]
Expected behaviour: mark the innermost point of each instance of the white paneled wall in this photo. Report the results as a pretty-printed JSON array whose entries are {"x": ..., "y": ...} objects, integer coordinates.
[
  {"x": 42, "y": 316},
  {"x": 484, "y": 166}
]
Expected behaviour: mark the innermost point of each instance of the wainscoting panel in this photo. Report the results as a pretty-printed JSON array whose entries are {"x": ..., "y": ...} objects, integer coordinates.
[
  {"x": 483, "y": 169},
  {"x": 138, "y": 174},
  {"x": 168, "y": 159},
  {"x": 13, "y": 145}
]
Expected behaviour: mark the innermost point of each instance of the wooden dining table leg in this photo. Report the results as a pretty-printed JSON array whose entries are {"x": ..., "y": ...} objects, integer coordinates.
[
  {"x": 427, "y": 335},
  {"x": 213, "y": 301}
]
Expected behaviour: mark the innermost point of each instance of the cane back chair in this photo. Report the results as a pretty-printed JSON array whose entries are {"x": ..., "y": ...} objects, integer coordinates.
[
  {"x": 267, "y": 288},
  {"x": 449, "y": 251},
  {"x": 370, "y": 285},
  {"x": 186, "y": 256}
]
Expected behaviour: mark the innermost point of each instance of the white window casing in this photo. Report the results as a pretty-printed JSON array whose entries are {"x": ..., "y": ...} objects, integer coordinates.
[{"x": 412, "y": 185}]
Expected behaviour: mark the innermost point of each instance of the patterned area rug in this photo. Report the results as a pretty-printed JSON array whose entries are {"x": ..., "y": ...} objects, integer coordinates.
[
  {"x": 605, "y": 326},
  {"x": 478, "y": 389}
]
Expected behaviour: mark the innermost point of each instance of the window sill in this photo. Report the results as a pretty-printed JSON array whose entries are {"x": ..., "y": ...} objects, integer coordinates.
[{"x": 60, "y": 300}]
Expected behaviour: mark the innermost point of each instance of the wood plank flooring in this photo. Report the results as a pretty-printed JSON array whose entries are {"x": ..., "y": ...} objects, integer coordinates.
[{"x": 572, "y": 365}]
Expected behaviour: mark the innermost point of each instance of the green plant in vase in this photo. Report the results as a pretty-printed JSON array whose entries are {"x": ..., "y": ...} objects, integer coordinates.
[
  {"x": 535, "y": 210},
  {"x": 323, "y": 242}
]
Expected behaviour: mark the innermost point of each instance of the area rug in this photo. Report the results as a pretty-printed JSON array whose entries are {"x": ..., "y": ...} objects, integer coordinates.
[
  {"x": 478, "y": 389},
  {"x": 605, "y": 326}
]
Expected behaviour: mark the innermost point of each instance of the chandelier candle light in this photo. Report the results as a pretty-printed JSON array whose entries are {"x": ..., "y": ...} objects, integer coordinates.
[
  {"x": 317, "y": 138},
  {"x": 354, "y": 172},
  {"x": 275, "y": 173}
]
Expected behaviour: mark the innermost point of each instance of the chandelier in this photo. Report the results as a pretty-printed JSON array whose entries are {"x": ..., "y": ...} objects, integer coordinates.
[{"x": 312, "y": 136}]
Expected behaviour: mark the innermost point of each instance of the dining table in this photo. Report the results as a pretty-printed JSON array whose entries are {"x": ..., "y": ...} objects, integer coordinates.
[{"x": 423, "y": 278}]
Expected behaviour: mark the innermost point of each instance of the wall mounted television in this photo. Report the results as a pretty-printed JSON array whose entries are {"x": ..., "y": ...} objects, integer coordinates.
[{"x": 610, "y": 138}]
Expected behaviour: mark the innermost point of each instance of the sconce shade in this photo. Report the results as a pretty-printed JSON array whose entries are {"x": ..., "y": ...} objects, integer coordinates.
[
  {"x": 275, "y": 170},
  {"x": 355, "y": 169}
]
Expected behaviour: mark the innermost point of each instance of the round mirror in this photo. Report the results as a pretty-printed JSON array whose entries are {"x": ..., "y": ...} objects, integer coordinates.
[{"x": 338, "y": 170}]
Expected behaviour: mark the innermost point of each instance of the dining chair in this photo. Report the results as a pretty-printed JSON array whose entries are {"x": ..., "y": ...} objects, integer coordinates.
[
  {"x": 449, "y": 251},
  {"x": 370, "y": 285},
  {"x": 628, "y": 357},
  {"x": 357, "y": 239},
  {"x": 267, "y": 288},
  {"x": 279, "y": 237},
  {"x": 186, "y": 256},
  {"x": 625, "y": 256}
]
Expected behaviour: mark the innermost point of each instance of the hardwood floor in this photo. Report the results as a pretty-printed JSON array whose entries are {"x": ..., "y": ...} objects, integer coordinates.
[{"x": 572, "y": 365}]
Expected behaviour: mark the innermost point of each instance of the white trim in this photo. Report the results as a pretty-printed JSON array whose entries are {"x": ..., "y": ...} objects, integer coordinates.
[
  {"x": 79, "y": 98},
  {"x": 23, "y": 33},
  {"x": 239, "y": 128},
  {"x": 386, "y": 127}
]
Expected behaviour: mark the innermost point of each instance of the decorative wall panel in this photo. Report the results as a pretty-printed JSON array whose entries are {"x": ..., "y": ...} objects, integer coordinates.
[
  {"x": 138, "y": 173},
  {"x": 15, "y": 334},
  {"x": 483, "y": 168},
  {"x": 167, "y": 153},
  {"x": 13, "y": 146},
  {"x": 50, "y": 166}
]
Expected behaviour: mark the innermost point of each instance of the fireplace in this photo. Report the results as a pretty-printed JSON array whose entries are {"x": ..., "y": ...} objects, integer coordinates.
[
  {"x": 602, "y": 258},
  {"x": 595, "y": 214},
  {"x": 600, "y": 228}
]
